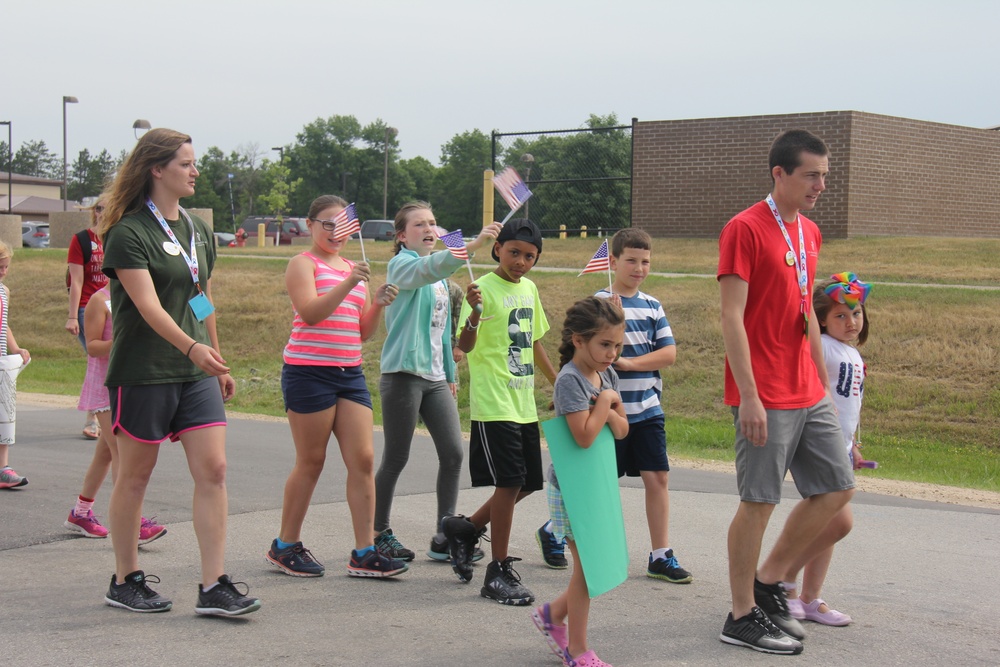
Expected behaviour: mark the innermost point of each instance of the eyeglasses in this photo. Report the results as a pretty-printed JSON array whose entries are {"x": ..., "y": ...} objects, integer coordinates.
[{"x": 328, "y": 225}]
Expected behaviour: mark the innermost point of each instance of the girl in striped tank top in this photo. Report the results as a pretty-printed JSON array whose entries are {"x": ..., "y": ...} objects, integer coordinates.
[
  {"x": 12, "y": 360},
  {"x": 325, "y": 392}
]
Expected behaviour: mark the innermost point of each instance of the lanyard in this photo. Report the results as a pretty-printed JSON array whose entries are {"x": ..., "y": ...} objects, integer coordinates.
[
  {"x": 192, "y": 259},
  {"x": 798, "y": 262}
]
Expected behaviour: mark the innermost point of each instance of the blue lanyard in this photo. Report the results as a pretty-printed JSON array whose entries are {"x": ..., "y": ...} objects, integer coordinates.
[{"x": 192, "y": 259}]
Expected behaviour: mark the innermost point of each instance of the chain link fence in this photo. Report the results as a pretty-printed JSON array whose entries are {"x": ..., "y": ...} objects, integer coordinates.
[{"x": 579, "y": 179}]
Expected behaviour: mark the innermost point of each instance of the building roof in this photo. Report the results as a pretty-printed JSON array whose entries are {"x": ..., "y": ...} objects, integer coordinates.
[
  {"x": 29, "y": 180},
  {"x": 27, "y": 206}
]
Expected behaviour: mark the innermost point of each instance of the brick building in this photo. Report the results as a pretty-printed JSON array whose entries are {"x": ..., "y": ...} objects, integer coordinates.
[{"x": 888, "y": 175}]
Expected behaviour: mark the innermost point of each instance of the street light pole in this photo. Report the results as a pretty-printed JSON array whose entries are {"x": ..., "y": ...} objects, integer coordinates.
[
  {"x": 140, "y": 124},
  {"x": 385, "y": 173},
  {"x": 10, "y": 166},
  {"x": 529, "y": 160},
  {"x": 281, "y": 153},
  {"x": 232, "y": 206},
  {"x": 343, "y": 180},
  {"x": 67, "y": 99}
]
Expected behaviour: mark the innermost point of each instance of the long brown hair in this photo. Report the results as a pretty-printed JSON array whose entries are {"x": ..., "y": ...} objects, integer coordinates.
[{"x": 127, "y": 193}]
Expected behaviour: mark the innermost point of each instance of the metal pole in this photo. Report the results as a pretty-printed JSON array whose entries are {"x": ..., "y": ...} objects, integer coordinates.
[
  {"x": 232, "y": 206},
  {"x": 67, "y": 99},
  {"x": 385, "y": 177},
  {"x": 10, "y": 166}
]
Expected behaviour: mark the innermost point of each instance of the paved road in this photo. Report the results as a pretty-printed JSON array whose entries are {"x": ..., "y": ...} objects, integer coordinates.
[{"x": 918, "y": 577}]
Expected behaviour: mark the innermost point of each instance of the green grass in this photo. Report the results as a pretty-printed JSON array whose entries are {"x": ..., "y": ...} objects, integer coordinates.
[{"x": 932, "y": 402}]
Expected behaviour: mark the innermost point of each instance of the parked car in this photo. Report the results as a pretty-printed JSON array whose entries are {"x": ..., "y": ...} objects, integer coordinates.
[
  {"x": 35, "y": 234},
  {"x": 225, "y": 240},
  {"x": 290, "y": 228},
  {"x": 378, "y": 230}
]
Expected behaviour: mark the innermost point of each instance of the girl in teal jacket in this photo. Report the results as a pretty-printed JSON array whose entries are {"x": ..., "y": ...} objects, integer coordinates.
[{"x": 418, "y": 371}]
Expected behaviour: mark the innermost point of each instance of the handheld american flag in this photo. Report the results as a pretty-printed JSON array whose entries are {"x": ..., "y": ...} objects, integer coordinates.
[
  {"x": 347, "y": 223},
  {"x": 510, "y": 186},
  {"x": 599, "y": 262},
  {"x": 454, "y": 242}
]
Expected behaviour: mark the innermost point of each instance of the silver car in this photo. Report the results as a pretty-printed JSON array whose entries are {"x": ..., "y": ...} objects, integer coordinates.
[{"x": 35, "y": 234}]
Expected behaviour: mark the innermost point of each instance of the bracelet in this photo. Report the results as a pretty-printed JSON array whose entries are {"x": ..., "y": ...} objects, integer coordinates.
[
  {"x": 468, "y": 324},
  {"x": 188, "y": 355}
]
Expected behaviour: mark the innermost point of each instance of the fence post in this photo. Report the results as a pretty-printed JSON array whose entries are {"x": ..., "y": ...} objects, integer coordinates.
[
  {"x": 487, "y": 196},
  {"x": 562, "y": 231},
  {"x": 583, "y": 231}
]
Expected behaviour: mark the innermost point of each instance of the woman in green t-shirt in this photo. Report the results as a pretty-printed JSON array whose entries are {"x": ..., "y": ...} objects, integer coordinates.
[{"x": 166, "y": 377}]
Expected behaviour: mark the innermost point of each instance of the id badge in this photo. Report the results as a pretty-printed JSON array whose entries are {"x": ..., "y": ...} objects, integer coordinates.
[{"x": 201, "y": 307}]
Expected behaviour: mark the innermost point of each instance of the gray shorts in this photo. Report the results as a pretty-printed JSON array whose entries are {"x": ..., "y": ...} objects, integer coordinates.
[{"x": 807, "y": 441}]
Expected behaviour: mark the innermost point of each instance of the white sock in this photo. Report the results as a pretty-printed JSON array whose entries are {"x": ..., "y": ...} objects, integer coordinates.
[
  {"x": 205, "y": 589},
  {"x": 659, "y": 553}
]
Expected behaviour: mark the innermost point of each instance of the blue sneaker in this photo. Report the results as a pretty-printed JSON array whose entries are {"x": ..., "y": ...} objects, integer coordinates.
[
  {"x": 553, "y": 550},
  {"x": 668, "y": 569},
  {"x": 375, "y": 564}
]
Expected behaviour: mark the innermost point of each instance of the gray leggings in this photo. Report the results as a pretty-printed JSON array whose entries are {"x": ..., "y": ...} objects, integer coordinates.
[{"x": 404, "y": 396}]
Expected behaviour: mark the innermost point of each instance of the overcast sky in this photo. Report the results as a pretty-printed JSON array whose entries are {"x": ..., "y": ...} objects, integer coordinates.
[{"x": 232, "y": 73}]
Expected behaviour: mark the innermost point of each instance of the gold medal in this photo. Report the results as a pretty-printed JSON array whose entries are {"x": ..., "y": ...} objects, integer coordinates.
[{"x": 790, "y": 258}]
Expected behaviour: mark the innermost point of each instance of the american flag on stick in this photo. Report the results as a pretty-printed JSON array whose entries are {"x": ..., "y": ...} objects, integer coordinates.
[
  {"x": 510, "y": 186},
  {"x": 347, "y": 223},
  {"x": 455, "y": 244},
  {"x": 599, "y": 262}
]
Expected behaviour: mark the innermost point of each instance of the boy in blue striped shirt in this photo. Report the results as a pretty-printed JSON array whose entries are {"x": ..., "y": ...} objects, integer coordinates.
[{"x": 649, "y": 347}]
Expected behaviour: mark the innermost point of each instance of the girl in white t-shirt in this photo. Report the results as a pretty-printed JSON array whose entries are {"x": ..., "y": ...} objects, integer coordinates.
[{"x": 839, "y": 303}]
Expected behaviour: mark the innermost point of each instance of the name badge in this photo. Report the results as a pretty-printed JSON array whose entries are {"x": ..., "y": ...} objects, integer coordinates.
[{"x": 201, "y": 307}]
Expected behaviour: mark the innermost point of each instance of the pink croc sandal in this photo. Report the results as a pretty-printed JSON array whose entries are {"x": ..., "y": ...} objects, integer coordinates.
[
  {"x": 811, "y": 612},
  {"x": 588, "y": 659}
]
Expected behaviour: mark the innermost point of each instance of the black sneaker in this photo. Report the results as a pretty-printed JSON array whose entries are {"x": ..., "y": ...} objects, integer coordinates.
[
  {"x": 387, "y": 543},
  {"x": 772, "y": 600},
  {"x": 668, "y": 569},
  {"x": 295, "y": 560},
  {"x": 135, "y": 595},
  {"x": 439, "y": 550},
  {"x": 224, "y": 599},
  {"x": 503, "y": 584},
  {"x": 553, "y": 550},
  {"x": 461, "y": 535},
  {"x": 756, "y": 631}
]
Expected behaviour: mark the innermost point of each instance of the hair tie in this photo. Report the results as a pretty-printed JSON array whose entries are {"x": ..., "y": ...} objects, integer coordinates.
[{"x": 848, "y": 290}]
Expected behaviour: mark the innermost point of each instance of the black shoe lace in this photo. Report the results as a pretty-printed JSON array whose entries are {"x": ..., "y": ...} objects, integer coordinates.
[
  {"x": 143, "y": 588},
  {"x": 304, "y": 554},
  {"x": 508, "y": 572},
  {"x": 765, "y": 621}
]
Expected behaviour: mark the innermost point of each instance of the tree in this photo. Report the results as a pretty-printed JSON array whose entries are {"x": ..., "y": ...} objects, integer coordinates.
[
  {"x": 421, "y": 172},
  {"x": 276, "y": 186},
  {"x": 458, "y": 184},
  {"x": 572, "y": 159},
  {"x": 212, "y": 188},
  {"x": 88, "y": 175},
  {"x": 34, "y": 158},
  {"x": 4, "y": 156}
]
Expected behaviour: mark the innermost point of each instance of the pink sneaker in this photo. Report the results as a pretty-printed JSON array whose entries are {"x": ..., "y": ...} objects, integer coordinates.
[
  {"x": 10, "y": 479},
  {"x": 555, "y": 635},
  {"x": 588, "y": 659},
  {"x": 149, "y": 530},
  {"x": 811, "y": 612},
  {"x": 88, "y": 524}
]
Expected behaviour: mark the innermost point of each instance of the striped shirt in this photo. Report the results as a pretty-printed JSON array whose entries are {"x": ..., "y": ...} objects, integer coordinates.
[
  {"x": 336, "y": 341},
  {"x": 646, "y": 330}
]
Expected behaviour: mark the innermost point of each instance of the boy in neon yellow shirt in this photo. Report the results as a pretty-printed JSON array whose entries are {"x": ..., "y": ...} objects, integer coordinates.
[{"x": 503, "y": 322}]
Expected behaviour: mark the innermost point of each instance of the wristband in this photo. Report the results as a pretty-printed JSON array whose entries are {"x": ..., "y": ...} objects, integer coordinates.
[
  {"x": 468, "y": 324},
  {"x": 188, "y": 355}
]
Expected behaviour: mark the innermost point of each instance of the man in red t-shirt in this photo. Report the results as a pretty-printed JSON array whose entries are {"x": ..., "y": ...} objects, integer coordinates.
[
  {"x": 777, "y": 387},
  {"x": 85, "y": 278}
]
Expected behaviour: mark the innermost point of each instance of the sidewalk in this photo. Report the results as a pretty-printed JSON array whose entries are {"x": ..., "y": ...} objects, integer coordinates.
[{"x": 918, "y": 580}]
